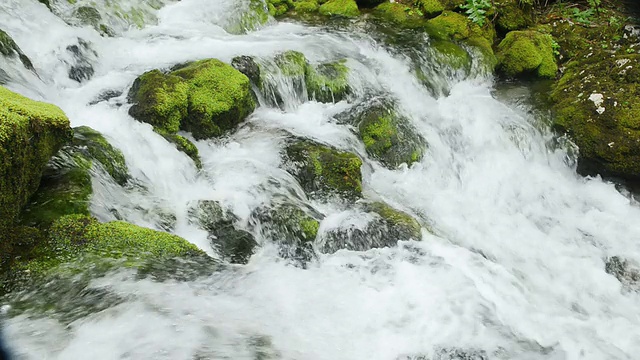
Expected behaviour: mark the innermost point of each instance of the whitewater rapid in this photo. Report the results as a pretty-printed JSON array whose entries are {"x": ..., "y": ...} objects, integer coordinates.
[{"x": 515, "y": 270}]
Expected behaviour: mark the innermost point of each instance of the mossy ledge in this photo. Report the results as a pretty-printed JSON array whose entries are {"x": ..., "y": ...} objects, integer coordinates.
[
  {"x": 31, "y": 132},
  {"x": 206, "y": 98}
]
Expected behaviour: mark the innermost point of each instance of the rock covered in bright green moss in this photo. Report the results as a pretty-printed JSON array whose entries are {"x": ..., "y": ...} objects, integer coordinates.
[
  {"x": 344, "y": 8},
  {"x": 431, "y": 8},
  {"x": 527, "y": 52},
  {"x": 185, "y": 145},
  {"x": 292, "y": 63},
  {"x": 301, "y": 7},
  {"x": 66, "y": 187},
  {"x": 277, "y": 7},
  {"x": 256, "y": 16},
  {"x": 293, "y": 227},
  {"x": 452, "y": 54},
  {"x": 328, "y": 82},
  {"x": 388, "y": 136},
  {"x": 451, "y": 25},
  {"x": 206, "y": 98},
  {"x": 322, "y": 170},
  {"x": 387, "y": 227},
  {"x": 31, "y": 132},
  {"x": 399, "y": 13},
  {"x": 232, "y": 244},
  {"x": 513, "y": 15},
  {"x": 9, "y": 48}
]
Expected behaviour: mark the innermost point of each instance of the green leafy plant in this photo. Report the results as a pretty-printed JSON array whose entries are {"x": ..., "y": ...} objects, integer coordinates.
[
  {"x": 582, "y": 16},
  {"x": 595, "y": 5},
  {"x": 555, "y": 47},
  {"x": 476, "y": 10}
]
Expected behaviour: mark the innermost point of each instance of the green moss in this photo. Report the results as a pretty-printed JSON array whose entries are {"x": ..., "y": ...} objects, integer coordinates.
[
  {"x": 452, "y": 54},
  {"x": 277, "y": 7},
  {"x": 256, "y": 16},
  {"x": 303, "y": 7},
  {"x": 328, "y": 82},
  {"x": 309, "y": 227},
  {"x": 402, "y": 225},
  {"x": 183, "y": 144},
  {"x": 388, "y": 137},
  {"x": 95, "y": 147},
  {"x": 345, "y": 8},
  {"x": 322, "y": 170},
  {"x": 451, "y": 25},
  {"x": 9, "y": 48},
  {"x": 206, "y": 98},
  {"x": 88, "y": 15},
  {"x": 431, "y": 8},
  {"x": 512, "y": 15},
  {"x": 31, "y": 132},
  {"x": 527, "y": 52},
  {"x": 292, "y": 63},
  {"x": 399, "y": 14}
]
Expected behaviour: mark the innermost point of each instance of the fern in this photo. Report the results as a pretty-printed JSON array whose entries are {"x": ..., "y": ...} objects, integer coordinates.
[{"x": 476, "y": 10}]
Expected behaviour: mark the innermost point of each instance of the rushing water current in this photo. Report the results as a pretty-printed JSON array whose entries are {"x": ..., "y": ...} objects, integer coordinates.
[{"x": 514, "y": 269}]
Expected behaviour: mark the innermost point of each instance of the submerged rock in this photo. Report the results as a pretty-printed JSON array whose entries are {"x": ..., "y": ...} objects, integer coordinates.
[
  {"x": 82, "y": 54},
  {"x": 248, "y": 66},
  {"x": 183, "y": 144},
  {"x": 527, "y": 52},
  {"x": 66, "y": 188},
  {"x": 328, "y": 82},
  {"x": 31, "y": 132},
  {"x": 9, "y": 48},
  {"x": 233, "y": 245},
  {"x": 322, "y": 170},
  {"x": 206, "y": 98},
  {"x": 293, "y": 227},
  {"x": 387, "y": 227},
  {"x": 388, "y": 136},
  {"x": 628, "y": 275}
]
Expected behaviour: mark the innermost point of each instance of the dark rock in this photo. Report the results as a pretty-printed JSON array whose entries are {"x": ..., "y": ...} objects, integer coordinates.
[{"x": 248, "y": 66}]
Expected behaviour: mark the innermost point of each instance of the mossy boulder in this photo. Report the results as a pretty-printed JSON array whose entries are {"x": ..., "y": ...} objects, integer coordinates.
[
  {"x": 328, "y": 82},
  {"x": 293, "y": 227},
  {"x": 387, "y": 227},
  {"x": 80, "y": 242},
  {"x": 388, "y": 136},
  {"x": 322, "y": 170},
  {"x": 527, "y": 53},
  {"x": 10, "y": 49},
  {"x": 596, "y": 101},
  {"x": 256, "y": 16},
  {"x": 31, "y": 132},
  {"x": 302, "y": 7},
  {"x": 399, "y": 14},
  {"x": 431, "y": 8},
  {"x": 512, "y": 15},
  {"x": 277, "y": 7},
  {"x": 232, "y": 244},
  {"x": 344, "y": 8},
  {"x": 248, "y": 66},
  {"x": 450, "y": 25},
  {"x": 66, "y": 186},
  {"x": 206, "y": 98},
  {"x": 452, "y": 54}
]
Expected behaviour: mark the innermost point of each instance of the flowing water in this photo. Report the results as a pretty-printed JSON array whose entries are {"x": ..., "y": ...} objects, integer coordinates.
[{"x": 514, "y": 269}]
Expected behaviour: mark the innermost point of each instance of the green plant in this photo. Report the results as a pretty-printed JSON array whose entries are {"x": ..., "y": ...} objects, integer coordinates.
[
  {"x": 595, "y": 5},
  {"x": 582, "y": 16},
  {"x": 555, "y": 47},
  {"x": 476, "y": 10}
]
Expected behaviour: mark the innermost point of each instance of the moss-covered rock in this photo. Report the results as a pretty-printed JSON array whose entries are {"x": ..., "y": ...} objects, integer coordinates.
[
  {"x": 232, "y": 244},
  {"x": 31, "y": 132},
  {"x": 249, "y": 67},
  {"x": 66, "y": 188},
  {"x": 452, "y": 54},
  {"x": 431, "y": 8},
  {"x": 399, "y": 14},
  {"x": 206, "y": 98},
  {"x": 293, "y": 227},
  {"x": 344, "y": 8},
  {"x": 183, "y": 144},
  {"x": 513, "y": 15},
  {"x": 302, "y": 7},
  {"x": 328, "y": 82},
  {"x": 322, "y": 170},
  {"x": 527, "y": 52},
  {"x": 256, "y": 16},
  {"x": 389, "y": 137},
  {"x": 74, "y": 237},
  {"x": 450, "y": 25},
  {"x": 387, "y": 227},
  {"x": 10, "y": 49},
  {"x": 277, "y": 7}
]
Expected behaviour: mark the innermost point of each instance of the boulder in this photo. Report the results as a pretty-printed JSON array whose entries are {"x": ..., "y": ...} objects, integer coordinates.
[
  {"x": 31, "y": 132},
  {"x": 527, "y": 53},
  {"x": 343, "y": 8},
  {"x": 322, "y": 170},
  {"x": 206, "y": 97}
]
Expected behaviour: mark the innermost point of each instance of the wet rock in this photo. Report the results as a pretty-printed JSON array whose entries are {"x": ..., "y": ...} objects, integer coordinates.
[
  {"x": 322, "y": 170},
  {"x": 183, "y": 144},
  {"x": 31, "y": 132},
  {"x": 343, "y": 8},
  {"x": 10, "y": 49},
  {"x": 106, "y": 96},
  {"x": 527, "y": 53},
  {"x": 232, "y": 244},
  {"x": 292, "y": 226},
  {"x": 388, "y": 136},
  {"x": 626, "y": 273},
  {"x": 513, "y": 15},
  {"x": 248, "y": 66},
  {"x": 387, "y": 227},
  {"x": 82, "y": 54},
  {"x": 207, "y": 98}
]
